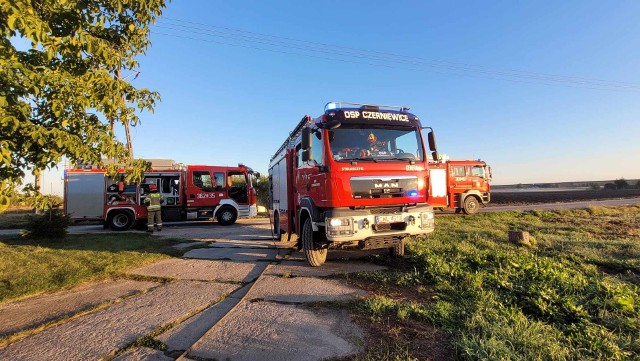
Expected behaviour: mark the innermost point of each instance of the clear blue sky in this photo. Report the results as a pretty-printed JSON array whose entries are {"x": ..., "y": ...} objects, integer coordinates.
[{"x": 224, "y": 104}]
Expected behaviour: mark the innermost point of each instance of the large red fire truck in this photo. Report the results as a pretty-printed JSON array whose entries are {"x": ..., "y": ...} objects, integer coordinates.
[
  {"x": 355, "y": 177},
  {"x": 466, "y": 184},
  {"x": 194, "y": 192}
]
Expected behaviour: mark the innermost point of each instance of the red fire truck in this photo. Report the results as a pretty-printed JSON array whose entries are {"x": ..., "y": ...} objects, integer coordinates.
[
  {"x": 463, "y": 185},
  {"x": 355, "y": 177},
  {"x": 194, "y": 192}
]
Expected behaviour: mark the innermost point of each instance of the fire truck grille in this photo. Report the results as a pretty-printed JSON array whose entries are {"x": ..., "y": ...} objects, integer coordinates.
[
  {"x": 386, "y": 227},
  {"x": 382, "y": 187},
  {"x": 387, "y": 210}
]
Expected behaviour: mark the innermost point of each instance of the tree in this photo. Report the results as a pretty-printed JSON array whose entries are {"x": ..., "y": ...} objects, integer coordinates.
[
  {"x": 621, "y": 183},
  {"x": 262, "y": 188},
  {"x": 58, "y": 97}
]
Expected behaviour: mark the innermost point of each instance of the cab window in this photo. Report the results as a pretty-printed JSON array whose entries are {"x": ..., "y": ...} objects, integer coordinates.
[
  {"x": 202, "y": 180},
  {"x": 316, "y": 147},
  {"x": 218, "y": 178},
  {"x": 458, "y": 171},
  {"x": 477, "y": 171}
]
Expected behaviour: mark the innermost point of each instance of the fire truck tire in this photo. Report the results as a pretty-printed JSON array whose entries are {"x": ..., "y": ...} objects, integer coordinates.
[
  {"x": 471, "y": 205},
  {"x": 315, "y": 256},
  {"x": 398, "y": 249},
  {"x": 277, "y": 232},
  {"x": 227, "y": 216},
  {"x": 121, "y": 220}
]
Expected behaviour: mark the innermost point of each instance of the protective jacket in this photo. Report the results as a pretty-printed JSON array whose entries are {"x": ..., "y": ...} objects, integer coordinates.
[{"x": 153, "y": 201}]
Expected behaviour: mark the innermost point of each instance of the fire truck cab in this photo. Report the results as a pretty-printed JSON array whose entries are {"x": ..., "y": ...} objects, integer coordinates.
[
  {"x": 355, "y": 177},
  {"x": 467, "y": 185}
]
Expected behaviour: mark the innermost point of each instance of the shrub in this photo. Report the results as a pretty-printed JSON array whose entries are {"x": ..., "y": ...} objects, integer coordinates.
[{"x": 51, "y": 225}]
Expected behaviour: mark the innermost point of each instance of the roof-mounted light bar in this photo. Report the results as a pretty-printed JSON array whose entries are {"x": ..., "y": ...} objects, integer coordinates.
[{"x": 340, "y": 105}]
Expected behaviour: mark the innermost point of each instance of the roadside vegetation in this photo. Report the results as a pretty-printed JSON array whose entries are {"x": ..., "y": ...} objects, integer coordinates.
[
  {"x": 29, "y": 267},
  {"x": 573, "y": 295}
]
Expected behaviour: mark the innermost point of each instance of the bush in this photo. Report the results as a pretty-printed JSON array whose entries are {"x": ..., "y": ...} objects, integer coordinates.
[{"x": 51, "y": 225}]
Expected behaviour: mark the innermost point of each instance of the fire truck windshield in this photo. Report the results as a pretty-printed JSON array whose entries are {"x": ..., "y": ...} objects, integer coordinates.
[{"x": 375, "y": 144}]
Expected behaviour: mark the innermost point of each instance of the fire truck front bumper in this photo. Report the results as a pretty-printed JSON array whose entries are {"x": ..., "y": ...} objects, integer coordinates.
[{"x": 351, "y": 227}]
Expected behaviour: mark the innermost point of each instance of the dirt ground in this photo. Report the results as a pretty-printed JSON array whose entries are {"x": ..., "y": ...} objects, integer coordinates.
[{"x": 536, "y": 197}]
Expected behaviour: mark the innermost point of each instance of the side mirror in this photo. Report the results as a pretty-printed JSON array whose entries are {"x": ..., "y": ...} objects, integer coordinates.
[
  {"x": 257, "y": 175},
  {"x": 306, "y": 155},
  {"x": 432, "y": 141},
  {"x": 434, "y": 155},
  {"x": 306, "y": 140}
]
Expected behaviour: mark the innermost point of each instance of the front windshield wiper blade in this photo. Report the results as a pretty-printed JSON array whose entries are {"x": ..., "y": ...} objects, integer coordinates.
[{"x": 367, "y": 159}]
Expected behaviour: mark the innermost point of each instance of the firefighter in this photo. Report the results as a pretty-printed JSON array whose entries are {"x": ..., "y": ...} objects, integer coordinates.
[{"x": 153, "y": 203}]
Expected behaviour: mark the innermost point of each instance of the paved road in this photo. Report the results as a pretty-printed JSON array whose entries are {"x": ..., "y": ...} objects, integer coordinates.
[{"x": 234, "y": 295}]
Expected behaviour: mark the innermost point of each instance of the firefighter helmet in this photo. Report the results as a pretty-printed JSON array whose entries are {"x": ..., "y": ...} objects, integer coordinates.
[{"x": 153, "y": 187}]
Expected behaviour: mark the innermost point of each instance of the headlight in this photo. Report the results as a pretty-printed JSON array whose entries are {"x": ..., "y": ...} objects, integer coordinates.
[
  {"x": 427, "y": 220},
  {"x": 339, "y": 227},
  {"x": 426, "y": 216},
  {"x": 337, "y": 222}
]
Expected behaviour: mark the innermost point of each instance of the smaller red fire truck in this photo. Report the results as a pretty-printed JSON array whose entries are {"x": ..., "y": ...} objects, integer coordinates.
[
  {"x": 194, "y": 192},
  {"x": 460, "y": 184}
]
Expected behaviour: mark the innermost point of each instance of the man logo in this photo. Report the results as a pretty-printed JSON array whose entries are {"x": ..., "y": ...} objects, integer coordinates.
[{"x": 386, "y": 185}]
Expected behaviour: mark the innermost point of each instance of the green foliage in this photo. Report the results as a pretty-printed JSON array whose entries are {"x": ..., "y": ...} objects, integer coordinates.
[
  {"x": 262, "y": 188},
  {"x": 621, "y": 183},
  {"x": 595, "y": 186},
  {"x": 51, "y": 226},
  {"x": 500, "y": 301},
  {"x": 57, "y": 98}
]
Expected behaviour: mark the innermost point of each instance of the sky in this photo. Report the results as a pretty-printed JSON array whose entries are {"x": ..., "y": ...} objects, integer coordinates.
[{"x": 542, "y": 91}]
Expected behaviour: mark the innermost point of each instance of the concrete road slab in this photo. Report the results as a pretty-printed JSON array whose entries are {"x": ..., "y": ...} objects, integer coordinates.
[
  {"x": 105, "y": 331},
  {"x": 188, "y": 332},
  {"x": 301, "y": 268},
  {"x": 33, "y": 311},
  {"x": 143, "y": 353},
  {"x": 276, "y": 332},
  {"x": 243, "y": 229},
  {"x": 341, "y": 255},
  {"x": 233, "y": 254},
  {"x": 188, "y": 245},
  {"x": 202, "y": 270},
  {"x": 303, "y": 289}
]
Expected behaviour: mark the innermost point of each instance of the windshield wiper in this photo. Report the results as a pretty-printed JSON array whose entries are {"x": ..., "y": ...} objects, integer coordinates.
[{"x": 367, "y": 159}]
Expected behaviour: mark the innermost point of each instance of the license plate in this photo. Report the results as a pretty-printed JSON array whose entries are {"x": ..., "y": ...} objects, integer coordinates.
[{"x": 389, "y": 219}]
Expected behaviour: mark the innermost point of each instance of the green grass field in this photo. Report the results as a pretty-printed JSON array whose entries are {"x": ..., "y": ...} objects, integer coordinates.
[
  {"x": 29, "y": 267},
  {"x": 575, "y": 295}
]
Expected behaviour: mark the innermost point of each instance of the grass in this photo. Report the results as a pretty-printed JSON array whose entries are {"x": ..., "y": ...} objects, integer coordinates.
[
  {"x": 573, "y": 296},
  {"x": 30, "y": 267},
  {"x": 15, "y": 218}
]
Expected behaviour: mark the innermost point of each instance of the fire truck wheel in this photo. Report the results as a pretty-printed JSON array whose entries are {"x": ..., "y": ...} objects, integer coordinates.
[
  {"x": 398, "y": 249},
  {"x": 227, "y": 216},
  {"x": 471, "y": 205},
  {"x": 121, "y": 220},
  {"x": 314, "y": 254},
  {"x": 277, "y": 232}
]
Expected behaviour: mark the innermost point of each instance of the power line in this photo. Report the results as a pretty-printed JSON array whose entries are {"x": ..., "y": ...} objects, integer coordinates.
[{"x": 237, "y": 37}]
